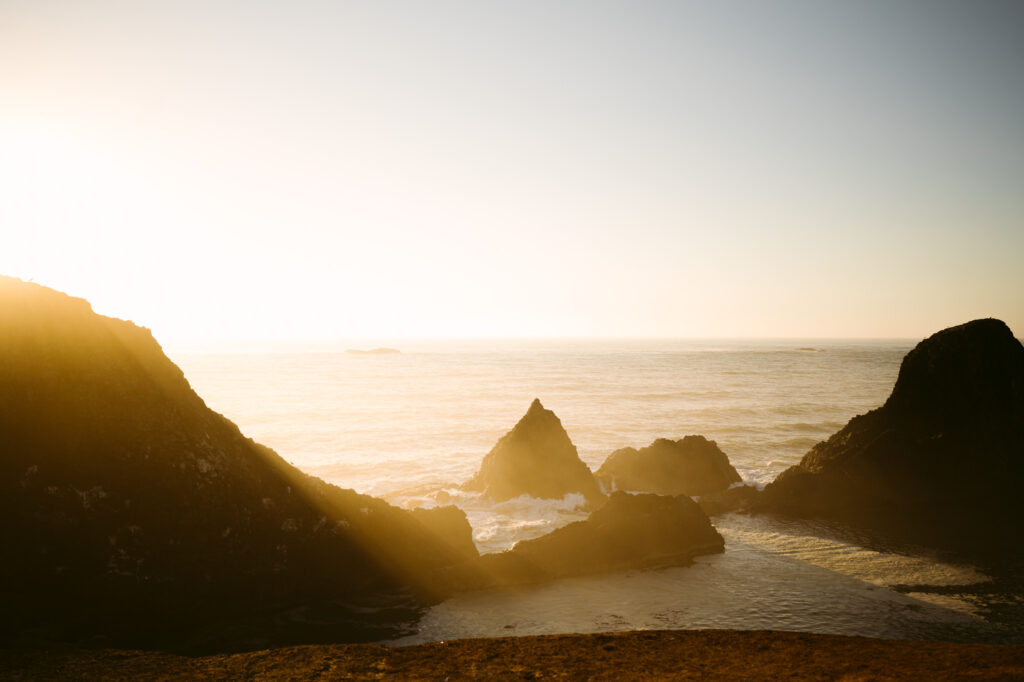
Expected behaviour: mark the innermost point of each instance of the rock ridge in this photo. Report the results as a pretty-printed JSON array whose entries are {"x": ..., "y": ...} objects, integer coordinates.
[{"x": 131, "y": 511}]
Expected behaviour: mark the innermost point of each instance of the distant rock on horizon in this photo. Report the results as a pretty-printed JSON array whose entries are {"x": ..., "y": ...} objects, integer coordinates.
[
  {"x": 943, "y": 458},
  {"x": 692, "y": 465},
  {"x": 535, "y": 458},
  {"x": 131, "y": 511}
]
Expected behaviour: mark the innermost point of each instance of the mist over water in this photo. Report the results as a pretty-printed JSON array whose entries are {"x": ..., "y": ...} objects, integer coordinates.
[{"x": 411, "y": 427}]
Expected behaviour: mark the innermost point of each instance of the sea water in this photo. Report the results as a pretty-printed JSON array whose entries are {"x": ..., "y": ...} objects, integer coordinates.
[{"x": 410, "y": 427}]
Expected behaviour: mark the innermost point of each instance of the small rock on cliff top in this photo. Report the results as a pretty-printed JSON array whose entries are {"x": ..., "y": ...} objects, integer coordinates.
[
  {"x": 943, "y": 457},
  {"x": 691, "y": 466},
  {"x": 535, "y": 458}
]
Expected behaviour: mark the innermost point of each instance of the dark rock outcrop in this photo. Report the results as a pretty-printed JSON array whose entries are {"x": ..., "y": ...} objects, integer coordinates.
[
  {"x": 690, "y": 466},
  {"x": 535, "y": 458},
  {"x": 450, "y": 527},
  {"x": 943, "y": 458},
  {"x": 130, "y": 510},
  {"x": 737, "y": 498},
  {"x": 628, "y": 532}
]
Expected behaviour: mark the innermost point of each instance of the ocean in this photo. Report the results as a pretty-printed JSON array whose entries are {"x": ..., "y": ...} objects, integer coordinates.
[{"x": 411, "y": 426}]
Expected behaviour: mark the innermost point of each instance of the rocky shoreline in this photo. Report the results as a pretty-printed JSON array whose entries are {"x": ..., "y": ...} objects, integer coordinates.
[
  {"x": 646, "y": 655},
  {"x": 136, "y": 517}
]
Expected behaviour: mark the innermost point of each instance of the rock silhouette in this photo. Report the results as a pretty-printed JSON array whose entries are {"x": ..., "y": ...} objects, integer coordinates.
[
  {"x": 942, "y": 458},
  {"x": 692, "y": 466},
  {"x": 628, "y": 532},
  {"x": 737, "y": 498},
  {"x": 535, "y": 458},
  {"x": 131, "y": 511}
]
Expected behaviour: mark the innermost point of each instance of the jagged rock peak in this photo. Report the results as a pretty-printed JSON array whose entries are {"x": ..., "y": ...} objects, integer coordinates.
[{"x": 535, "y": 458}]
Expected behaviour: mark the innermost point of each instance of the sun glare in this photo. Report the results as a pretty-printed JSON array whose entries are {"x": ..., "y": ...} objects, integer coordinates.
[
  {"x": 632, "y": 180},
  {"x": 69, "y": 206}
]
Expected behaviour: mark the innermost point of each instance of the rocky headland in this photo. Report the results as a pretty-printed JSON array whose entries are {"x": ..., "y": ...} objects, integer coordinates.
[
  {"x": 940, "y": 463},
  {"x": 132, "y": 513}
]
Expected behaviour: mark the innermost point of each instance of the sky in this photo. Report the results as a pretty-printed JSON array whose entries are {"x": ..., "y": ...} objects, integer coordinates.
[{"x": 225, "y": 171}]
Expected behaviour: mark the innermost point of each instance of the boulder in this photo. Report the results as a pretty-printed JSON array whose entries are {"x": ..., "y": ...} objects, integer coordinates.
[
  {"x": 735, "y": 498},
  {"x": 942, "y": 459},
  {"x": 450, "y": 528},
  {"x": 131, "y": 511},
  {"x": 692, "y": 466},
  {"x": 628, "y": 532},
  {"x": 535, "y": 458}
]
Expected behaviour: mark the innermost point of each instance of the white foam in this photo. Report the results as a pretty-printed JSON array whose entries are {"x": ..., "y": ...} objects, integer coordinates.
[
  {"x": 535, "y": 505},
  {"x": 878, "y": 568},
  {"x": 497, "y": 526}
]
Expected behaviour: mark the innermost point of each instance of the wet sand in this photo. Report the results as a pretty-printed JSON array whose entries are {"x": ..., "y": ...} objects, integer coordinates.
[{"x": 644, "y": 655}]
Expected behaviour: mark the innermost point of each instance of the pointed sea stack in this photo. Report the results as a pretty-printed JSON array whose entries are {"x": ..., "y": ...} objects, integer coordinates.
[
  {"x": 942, "y": 461},
  {"x": 131, "y": 512},
  {"x": 535, "y": 458},
  {"x": 692, "y": 466}
]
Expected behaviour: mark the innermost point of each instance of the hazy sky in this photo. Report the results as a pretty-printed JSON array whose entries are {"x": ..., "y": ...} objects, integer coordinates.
[{"x": 298, "y": 169}]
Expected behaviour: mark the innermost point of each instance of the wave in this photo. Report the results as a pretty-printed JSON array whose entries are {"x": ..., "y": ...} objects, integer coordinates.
[
  {"x": 802, "y": 443},
  {"x": 498, "y": 526}
]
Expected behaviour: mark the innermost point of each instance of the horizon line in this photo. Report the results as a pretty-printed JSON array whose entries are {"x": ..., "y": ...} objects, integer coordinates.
[{"x": 379, "y": 340}]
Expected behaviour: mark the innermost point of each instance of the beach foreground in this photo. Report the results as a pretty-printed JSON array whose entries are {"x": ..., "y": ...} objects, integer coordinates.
[{"x": 675, "y": 654}]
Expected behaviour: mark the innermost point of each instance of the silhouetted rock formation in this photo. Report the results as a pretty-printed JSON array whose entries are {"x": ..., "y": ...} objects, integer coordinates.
[
  {"x": 690, "y": 466},
  {"x": 448, "y": 525},
  {"x": 738, "y": 498},
  {"x": 535, "y": 458},
  {"x": 628, "y": 532},
  {"x": 943, "y": 457},
  {"x": 129, "y": 509}
]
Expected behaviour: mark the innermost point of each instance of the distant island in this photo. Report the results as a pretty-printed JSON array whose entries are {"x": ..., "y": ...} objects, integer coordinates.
[{"x": 373, "y": 351}]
